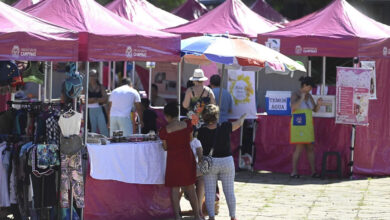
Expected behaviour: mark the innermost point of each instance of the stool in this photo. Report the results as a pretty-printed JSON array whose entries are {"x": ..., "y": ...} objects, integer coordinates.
[{"x": 324, "y": 170}]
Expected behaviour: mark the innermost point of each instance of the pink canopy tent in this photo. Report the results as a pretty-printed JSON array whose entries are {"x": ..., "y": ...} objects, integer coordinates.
[
  {"x": 190, "y": 10},
  {"x": 105, "y": 36},
  {"x": 338, "y": 30},
  {"x": 232, "y": 16},
  {"x": 22, "y": 4},
  {"x": 262, "y": 8},
  {"x": 24, "y": 37},
  {"x": 144, "y": 14}
]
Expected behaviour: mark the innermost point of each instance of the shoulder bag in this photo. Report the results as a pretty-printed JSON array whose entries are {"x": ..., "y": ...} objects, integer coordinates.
[
  {"x": 207, "y": 162},
  {"x": 70, "y": 145}
]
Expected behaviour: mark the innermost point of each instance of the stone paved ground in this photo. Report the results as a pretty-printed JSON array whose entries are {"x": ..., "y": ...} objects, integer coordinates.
[{"x": 263, "y": 195}]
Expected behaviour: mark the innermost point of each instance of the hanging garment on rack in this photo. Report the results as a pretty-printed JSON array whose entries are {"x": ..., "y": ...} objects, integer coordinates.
[
  {"x": 52, "y": 128},
  {"x": 6, "y": 158},
  {"x": 72, "y": 173},
  {"x": 70, "y": 125},
  {"x": 43, "y": 182},
  {"x": 6, "y": 119},
  {"x": 47, "y": 156},
  {"x": 24, "y": 181},
  {"x": 4, "y": 191}
]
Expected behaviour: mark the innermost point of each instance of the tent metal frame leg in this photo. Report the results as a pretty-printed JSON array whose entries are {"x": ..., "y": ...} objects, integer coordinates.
[
  {"x": 179, "y": 85},
  {"x": 254, "y": 145},
  {"x": 353, "y": 133}
]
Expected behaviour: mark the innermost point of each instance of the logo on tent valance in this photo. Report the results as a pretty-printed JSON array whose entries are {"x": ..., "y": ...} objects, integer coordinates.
[
  {"x": 130, "y": 52},
  {"x": 305, "y": 50},
  {"x": 386, "y": 51},
  {"x": 23, "y": 52}
]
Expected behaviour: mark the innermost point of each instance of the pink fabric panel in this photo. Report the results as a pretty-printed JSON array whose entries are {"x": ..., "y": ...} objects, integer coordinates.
[
  {"x": 35, "y": 40},
  {"x": 104, "y": 35},
  {"x": 190, "y": 10},
  {"x": 106, "y": 199},
  {"x": 144, "y": 14},
  {"x": 232, "y": 16},
  {"x": 235, "y": 144},
  {"x": 274, "y": 153},
  {"x": 372, "y": 149},
  {"x": 22, "y": 4},
  {"x": 343, "y": 32},
  {"x": 262, "y": 8}
]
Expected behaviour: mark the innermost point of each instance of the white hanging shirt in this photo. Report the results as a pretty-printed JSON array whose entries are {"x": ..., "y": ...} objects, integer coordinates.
[{"x": 70, "y": 126}]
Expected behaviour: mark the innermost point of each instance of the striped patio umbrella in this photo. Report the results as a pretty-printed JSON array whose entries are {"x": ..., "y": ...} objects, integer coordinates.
[{"x": 235, "y": 51}]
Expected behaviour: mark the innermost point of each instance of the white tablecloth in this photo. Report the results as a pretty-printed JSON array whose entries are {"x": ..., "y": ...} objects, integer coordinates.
[{"x": 140, "y": 163}]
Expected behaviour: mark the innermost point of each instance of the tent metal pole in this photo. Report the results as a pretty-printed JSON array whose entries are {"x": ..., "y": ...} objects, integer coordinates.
[
  {"x": 86, "y": 103},
  {"x": 353, "y": 135},
  {"x": 125, "y": 69},
  {"x": 241, "y": 140},
  {"x": 45, "y": 81},
  {"x": 113, "y": 75},
  {"x": 51, "y": 82},
  {"x": 150, "y": 85},
  {"x": 109, "y": 75},
  {"x": 101, "y": 72},
  {"x": 253, "y": 144},
  {"x": 85, "y": 119},
  {"x": 133, "y": 73},
  {"x": 309, "y": 67},
  {"x": 179, "y": 86},
  {"x": 39, "y": 92},
  {"x": 220, "y": 86},
  {"x": 323, "y": 75}
]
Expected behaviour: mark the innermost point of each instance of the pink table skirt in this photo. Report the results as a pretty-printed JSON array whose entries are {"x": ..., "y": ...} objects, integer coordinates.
[
  {"x": 274, "y": 153},
  {"x": 106, "y": 199}
]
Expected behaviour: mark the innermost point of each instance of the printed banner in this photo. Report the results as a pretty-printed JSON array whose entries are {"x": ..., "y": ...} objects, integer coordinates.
[
  {"x": 164, "y": 76},
  {"x": 352, "y": 95},
  {"x": 371, "y": 65},
  {"x": 241, "y": 85},
  {"x": 328, "y": 108}
]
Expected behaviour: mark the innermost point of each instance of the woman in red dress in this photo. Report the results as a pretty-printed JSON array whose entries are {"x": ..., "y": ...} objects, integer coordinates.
[{"x": 181, "y": 165}]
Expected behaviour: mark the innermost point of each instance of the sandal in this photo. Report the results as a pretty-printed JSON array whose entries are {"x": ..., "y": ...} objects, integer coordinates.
[
  {"x": 295, "y": 176},
  {"x": 316, "y": 175}
]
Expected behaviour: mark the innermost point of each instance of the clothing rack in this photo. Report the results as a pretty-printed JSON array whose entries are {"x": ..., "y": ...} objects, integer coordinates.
[
  {"x": 42, "y": 212},
  {"x": 35, "y": 103},
  {"x": 15, "y": 138}
]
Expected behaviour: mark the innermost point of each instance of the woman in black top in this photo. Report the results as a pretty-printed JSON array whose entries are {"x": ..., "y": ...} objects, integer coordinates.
[
  {"x": 217, "y": 138},
  {"x": 97, "y": 97}
]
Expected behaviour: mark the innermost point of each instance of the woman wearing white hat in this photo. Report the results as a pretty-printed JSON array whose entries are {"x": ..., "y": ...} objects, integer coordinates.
[{"x": 197, "y": 97}]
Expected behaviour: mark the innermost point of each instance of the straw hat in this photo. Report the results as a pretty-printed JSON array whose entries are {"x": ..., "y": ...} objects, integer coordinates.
[{"x": 198, "y": 75}]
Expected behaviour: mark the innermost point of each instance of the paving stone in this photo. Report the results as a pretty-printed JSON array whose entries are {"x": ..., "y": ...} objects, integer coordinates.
[{"x": 275, "y": 196}]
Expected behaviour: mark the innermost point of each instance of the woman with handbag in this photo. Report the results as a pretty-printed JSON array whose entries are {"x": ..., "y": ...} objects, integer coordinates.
[
  {"x": 215, "y": 141},
  {"x": 181, "y": 165}
]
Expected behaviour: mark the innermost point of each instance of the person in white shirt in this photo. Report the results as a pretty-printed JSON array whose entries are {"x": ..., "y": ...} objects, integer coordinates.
[{"x": 121, "y": 102}]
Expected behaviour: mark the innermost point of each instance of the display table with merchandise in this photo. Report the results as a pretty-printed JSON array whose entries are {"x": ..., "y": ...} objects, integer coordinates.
[{"x": 126, "y": 181}]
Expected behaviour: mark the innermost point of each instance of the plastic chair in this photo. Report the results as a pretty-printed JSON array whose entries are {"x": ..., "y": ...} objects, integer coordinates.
[{"x": 325, "y": 171}]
